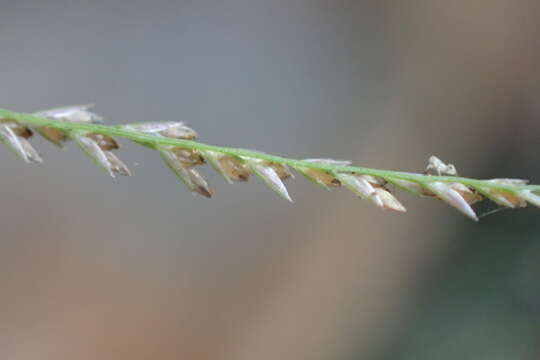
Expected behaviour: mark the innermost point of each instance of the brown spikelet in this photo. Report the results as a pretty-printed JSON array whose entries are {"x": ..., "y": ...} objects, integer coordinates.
[
  {"x": 76, "y": 114},
  {"x": 185, "y": 172},
  {"x": 55, "y": 136},
  {"x": 99, "y": 148},
  {"x": 105, "y": 142},
  {"x": 188, "y": 157},
  {"x": 231, "y": 168},
  {"x": 281, "y": 170},
  {"x": 321, "y": 177},
  {"x": 15, "y": 136}
]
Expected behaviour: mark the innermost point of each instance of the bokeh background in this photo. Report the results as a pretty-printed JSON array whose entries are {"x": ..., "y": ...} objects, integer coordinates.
[{"x": 137, "y": 268}]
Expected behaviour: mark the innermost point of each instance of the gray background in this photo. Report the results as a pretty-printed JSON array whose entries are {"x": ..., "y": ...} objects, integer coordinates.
[{"x": 137, "y": 268}]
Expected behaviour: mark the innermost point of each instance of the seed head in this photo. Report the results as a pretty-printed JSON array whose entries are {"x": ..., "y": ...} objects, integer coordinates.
[{"x": 237, "y": 164}]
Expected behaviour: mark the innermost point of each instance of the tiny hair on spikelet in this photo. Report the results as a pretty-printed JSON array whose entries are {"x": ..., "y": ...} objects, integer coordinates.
[{"x": 175, "y": 143}]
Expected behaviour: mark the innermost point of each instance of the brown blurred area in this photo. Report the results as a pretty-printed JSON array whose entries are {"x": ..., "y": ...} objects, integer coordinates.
[{"x": 137, "y": 268}]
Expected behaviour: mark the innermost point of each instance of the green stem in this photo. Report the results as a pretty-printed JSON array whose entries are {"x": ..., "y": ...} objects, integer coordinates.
[{"x": 155, "y": 141}]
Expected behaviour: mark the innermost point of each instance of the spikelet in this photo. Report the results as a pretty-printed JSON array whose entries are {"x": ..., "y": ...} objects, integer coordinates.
[
  {"x": 321, "y": 177},
  {"x": 105, "y": 142},
  {"x": 230, "y": 167},
  {"x": 99, "y": 148},
  {"x": 185, "y": 172},
  {"x": 55, "y": 136},
  {"x": 455, "y": 194},
  {"x": 388, "y": 200},
  {"x": 502, "y": 197},
  {"x": 453, "y": 197},
  {"x": 408, "y": 186},
  {"x": 170, "y": 129},
  {"x": 371, "y": 188},
  {"x": 268, "y": 174},
  {"x": 357, "y": 184},
  {"x": 531, "y": 197},
  {"x": 15, "y": 136},
  {"x": 180, "y": 160},
  {"x": 173, "y": 130},
  {"x": 75, "y": 113},
  {"x": 470, "y": 196},
  {"x": 188, "y": 157},
  {"x": 281, "y": 170}
]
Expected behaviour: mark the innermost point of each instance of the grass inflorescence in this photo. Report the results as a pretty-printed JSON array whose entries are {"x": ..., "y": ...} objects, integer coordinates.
[{"x": 175, "y": 142}]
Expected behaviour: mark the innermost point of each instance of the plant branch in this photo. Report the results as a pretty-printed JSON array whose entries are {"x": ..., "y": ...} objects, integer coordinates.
[{"x": 156, "y": 141}]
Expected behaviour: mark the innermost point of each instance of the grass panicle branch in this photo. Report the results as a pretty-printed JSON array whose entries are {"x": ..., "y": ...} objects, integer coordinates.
[{"x": 175, "y": 142}]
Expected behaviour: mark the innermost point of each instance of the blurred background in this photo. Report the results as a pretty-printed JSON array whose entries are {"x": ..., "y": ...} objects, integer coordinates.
[{"x": 137, "y": 268}]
